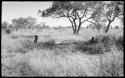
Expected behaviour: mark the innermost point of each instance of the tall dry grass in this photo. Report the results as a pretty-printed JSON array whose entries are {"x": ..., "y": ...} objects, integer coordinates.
[{"x": 29, "y": 60}]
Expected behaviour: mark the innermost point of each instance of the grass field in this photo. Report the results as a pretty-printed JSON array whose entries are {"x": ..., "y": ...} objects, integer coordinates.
[{"x": 22, "y": 58}]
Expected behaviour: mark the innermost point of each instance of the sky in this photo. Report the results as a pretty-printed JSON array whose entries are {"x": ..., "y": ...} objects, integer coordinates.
[{"x": 16, "y": 9}]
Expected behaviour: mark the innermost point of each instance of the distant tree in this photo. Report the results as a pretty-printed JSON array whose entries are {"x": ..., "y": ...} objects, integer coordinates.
[
  {"x": 44, "y": 26},
  {"x": 114, "y": 9},
  {"x": 23, "y": 22},
  {"x": 5, "y": 25},
  {"x": 76, "y": 12},
  {"x": 30, "y": 22}
]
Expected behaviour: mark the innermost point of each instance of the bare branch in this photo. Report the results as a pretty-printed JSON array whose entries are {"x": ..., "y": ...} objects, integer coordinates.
[
  {"x": 83, "y": 13},
  {"x": 78, "y": 15},
  {"x": 86, "y": 20},
  {"x": 91, "y": 22},
  {"x": 120, "y": 18},
  {"x": 71, "y": 22}
]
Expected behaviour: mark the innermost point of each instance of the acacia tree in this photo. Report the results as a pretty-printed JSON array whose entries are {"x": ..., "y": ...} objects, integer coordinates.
[
  {"x": 76, "y": 12},
  {"x": 24, "y": 22},
  {"x": 114, "y": 9}
]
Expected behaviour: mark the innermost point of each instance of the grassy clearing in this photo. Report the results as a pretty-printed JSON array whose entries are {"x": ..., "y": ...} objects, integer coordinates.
[{"x": 22, "y": 58}]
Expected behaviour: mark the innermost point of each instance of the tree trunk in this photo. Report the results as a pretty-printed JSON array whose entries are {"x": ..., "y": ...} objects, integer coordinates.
[
  {"x": 75, "y": 29},
  {"x": 73, "y": 25},
  {"x": 78, "y": 29},
  {"x": 75, "y": 32},
  {"x": 79, "y": 26},
  {"x": 107, "y": 27}
]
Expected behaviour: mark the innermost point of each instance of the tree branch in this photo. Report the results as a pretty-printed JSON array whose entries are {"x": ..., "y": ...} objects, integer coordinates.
[
  {"x": 91, "y": 22},
  {"x": 83, "y": 13},
  {"x": 120, "y": 18},
  {"x": 69, "y": 15},
  {"x": 108, "y": 18},
  {"x": 78, "y": 15},
  {"x": 85, "y": 20},
  {"x": 114, "y": 18},
  {"x": 71, "y": 23}
]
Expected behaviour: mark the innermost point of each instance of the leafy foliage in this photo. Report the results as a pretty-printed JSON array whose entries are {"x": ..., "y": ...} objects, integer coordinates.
[
  {"x": 23, "y": 22},
  {"x": 115, "y": 10},
  {"x": 74, "y": 11},
  {"x": 5, "y": 25}
]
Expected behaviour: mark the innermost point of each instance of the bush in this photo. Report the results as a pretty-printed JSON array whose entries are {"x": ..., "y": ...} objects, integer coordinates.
[
  {"x": 49, "y": 44},
  {"x": 120, "y": 43},
  {"x": 14, "y": 37},
  {"x": 90, "y": 48},
  {"x": 102, "y": 45},
  {"x": 107, "y": 41},
  {"x": 111, "y": 40},
  {"x": 7, "y": 31}
]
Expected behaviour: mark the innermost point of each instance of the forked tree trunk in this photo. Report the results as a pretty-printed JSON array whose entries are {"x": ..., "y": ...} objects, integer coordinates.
[
  {"x": 75, "y": 30},
  {"x": 79, "y": 28},
  {"x": 73, "y": 25}
]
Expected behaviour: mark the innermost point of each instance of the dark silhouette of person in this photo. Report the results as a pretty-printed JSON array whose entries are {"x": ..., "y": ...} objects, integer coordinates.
[
  {"x": 35, "y": 39},
  {"x": 92, "y": 40}
]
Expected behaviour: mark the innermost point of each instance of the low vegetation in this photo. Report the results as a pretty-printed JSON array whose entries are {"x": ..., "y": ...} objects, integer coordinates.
[{"x": 22, "y": 58}]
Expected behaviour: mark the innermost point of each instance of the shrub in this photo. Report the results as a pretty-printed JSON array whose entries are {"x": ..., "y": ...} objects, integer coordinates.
[
  {"x": 107, "y": 41},
  {"x": 103, "y": 44},
  {"x": 49, "y": 44},
  {"x": 7, "y": 31},
  {"x": 90, "y": 48},
  {"x": 14, "y": 37},
  {"x": 120, "y": 43}
]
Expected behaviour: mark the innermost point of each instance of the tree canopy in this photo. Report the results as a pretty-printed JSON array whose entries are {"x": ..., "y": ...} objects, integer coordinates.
[
  {"x": 24, "y": 22},
  {"x": 114, "y": 9},
  {"x": 77, "y": 12}
]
